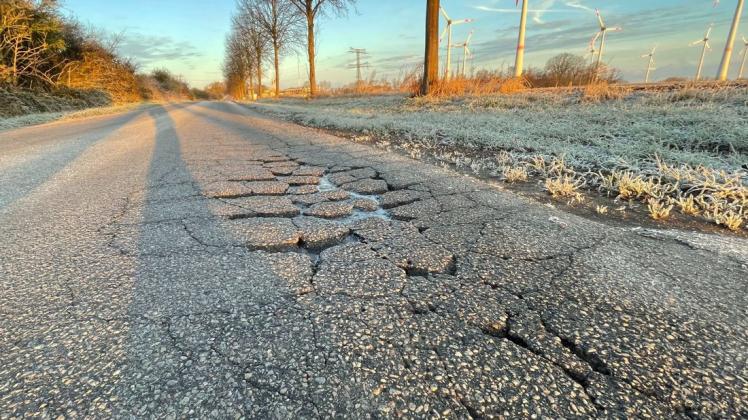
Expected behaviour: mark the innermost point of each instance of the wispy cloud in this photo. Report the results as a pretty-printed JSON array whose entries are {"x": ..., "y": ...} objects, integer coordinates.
[
  {"x": 537, "y": 13},
  {"x": 510, "y": 10},
  {"x": 150, "y": 49},
  {"x": 577, "y": 4}
]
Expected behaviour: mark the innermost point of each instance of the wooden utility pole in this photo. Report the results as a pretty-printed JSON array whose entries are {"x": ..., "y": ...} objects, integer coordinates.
[{"x": 431, "y": 58}]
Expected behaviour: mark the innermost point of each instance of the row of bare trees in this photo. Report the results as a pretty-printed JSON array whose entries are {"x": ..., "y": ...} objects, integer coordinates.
[{"x": 263, "y": 32}]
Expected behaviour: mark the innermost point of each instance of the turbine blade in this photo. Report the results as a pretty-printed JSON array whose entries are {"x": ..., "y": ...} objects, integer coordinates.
[
  {"x": 708, "y": 47},
  {"x": 696, "y": 42},
  {"x": 599, "y": 18},
  {"x": 444, "y": 12},
  {"x": 444, "y": 32},
  {"x": 708, "y": 32},
  {"x": 461, "y": 21},
  {"x": 470, "y": 35}
]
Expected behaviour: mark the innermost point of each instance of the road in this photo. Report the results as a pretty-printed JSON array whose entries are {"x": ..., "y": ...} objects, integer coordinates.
[{"x": 201, "y": 260}]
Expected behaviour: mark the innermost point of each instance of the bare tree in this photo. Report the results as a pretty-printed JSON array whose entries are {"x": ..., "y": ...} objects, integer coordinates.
[
  {"x": 567, "y": 69},
  {"x": 246, "y": 23},
  {"x": 240, "y": 63},
  {"x": 309, "y": 10},
  {"x": 277, "y": 21}
]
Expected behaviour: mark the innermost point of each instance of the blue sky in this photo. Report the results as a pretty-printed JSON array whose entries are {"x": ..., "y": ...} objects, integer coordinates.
[{"x": 187, "y": 36}]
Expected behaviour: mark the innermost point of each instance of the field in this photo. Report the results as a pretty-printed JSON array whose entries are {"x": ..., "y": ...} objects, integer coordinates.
[{"x": 684, "y": 149}]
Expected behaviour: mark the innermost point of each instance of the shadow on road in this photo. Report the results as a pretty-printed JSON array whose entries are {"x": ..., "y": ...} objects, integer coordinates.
[{"x": 21, "y": 178}]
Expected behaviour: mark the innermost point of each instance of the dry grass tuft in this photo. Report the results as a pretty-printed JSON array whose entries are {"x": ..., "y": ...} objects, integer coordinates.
[
  {"x": 473, "y": 86},
  {"x": 729, "y": 219},
  {"x": 688, "y": 206},
  {"x": 602, "y": 91},
  {"x": 515, "y": 174},
  {"x": 513, "y": 85},
  {"x": 632, "y": 186},
  {"x": 564, "y": 186},
  {"x": 658, "y": 209}
]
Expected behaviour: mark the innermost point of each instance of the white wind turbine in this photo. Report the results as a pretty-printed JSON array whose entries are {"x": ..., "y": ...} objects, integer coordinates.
[
  {"x": 465, "y": 52},
  {"x": 724, "y": 65},
  {"x": 745, "y": 55},
  {"x": 704, "y": 41},
  {"x": 603, "y": 32},
  {"x": 448, "y": 31},
  {"x": 650, "y": 64}
]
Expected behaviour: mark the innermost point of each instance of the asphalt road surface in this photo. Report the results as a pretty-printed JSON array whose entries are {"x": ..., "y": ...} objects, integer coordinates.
[{"x": 201, "y": 260}]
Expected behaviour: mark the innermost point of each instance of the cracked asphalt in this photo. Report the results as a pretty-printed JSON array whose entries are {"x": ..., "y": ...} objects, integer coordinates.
[{"x": 200, "y": 260}]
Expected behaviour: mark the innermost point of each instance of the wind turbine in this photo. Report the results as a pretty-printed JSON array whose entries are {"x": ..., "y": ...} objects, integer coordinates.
[
  {"x": 725, "y": 64},
  {"x": 448, "y": 31},
  {"x": 520, "y": 60},
  {"x": 650, "y": 64},
  {"x": 704, "y": 41},
  {"x": 603, "y": 32},
  {"x": 745, "y": 55},
  {"x": 465, "y": 52}
]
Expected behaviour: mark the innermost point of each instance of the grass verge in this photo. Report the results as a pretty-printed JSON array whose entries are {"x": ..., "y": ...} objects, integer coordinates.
[{"x": 686, "y": 148}]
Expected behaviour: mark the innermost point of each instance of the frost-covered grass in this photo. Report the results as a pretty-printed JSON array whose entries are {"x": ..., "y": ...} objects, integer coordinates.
[
  {"x": 689, "y": 127},
  {"x": 45, "y": 117},
  {"x": 687, "y": 144}
]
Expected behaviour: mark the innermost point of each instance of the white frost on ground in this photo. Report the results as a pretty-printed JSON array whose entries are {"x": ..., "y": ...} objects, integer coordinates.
[
  {"x": 684, "y": 127},
  {"x": 42, "y": 118}
]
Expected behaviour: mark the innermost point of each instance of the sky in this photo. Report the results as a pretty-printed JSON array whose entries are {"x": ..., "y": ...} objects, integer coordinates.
[{"x": 187, "y": 36}]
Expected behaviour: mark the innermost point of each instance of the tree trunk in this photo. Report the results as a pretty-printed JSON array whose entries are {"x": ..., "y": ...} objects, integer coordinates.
[
  {"x": 310, "y": 48},
  {"x": 277, "y": 77},
  {"x": 431, "y": 56},
  {"x": 15, "y": 63},
  {"x": 259, "y": 76},
  {"x": 251, "y": 87}
]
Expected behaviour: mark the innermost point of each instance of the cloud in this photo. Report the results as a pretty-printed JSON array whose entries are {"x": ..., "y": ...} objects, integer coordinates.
[
  {"x": 152, "y": 49},
  {"x": 537, "y": 13},
  {"x": 577, "y": 4}
]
